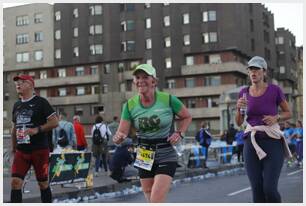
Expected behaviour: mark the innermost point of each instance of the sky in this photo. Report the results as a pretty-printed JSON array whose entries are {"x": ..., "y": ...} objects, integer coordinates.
[{"x": 287, "y": 15}]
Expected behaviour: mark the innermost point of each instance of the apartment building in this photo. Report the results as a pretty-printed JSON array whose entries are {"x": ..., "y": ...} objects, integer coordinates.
[
  {"x": 28, "y": 44},
  {"x": 199, "y": 50}
]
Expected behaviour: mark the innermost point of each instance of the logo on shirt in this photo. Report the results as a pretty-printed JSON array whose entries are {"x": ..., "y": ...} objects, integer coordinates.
[{"x": 149, "y": 124}]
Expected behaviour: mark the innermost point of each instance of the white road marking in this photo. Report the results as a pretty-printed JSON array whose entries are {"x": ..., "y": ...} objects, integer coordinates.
[
  {"x": 292, "y": 173},
  {"x": 239, "y": 191}
]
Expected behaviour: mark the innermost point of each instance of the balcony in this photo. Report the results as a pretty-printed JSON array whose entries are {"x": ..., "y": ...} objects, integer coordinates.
[
  {"x": 60, "y": 81},
  {"x": 201, "y": 91},
  {"x": 68, "y": 100},
  {"x": 214, "y": 68},
  {"x": 204, "y": 112}
]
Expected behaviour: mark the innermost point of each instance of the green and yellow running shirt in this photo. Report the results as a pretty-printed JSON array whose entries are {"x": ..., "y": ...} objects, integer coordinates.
[{"x": 152, "y": 122}]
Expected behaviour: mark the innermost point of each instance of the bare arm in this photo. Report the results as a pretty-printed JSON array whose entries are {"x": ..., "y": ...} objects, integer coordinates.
[
  {"x": 183, "y": 123},
  {"x": 122, "y": 131},
  {"x": 239, "y": 118}
]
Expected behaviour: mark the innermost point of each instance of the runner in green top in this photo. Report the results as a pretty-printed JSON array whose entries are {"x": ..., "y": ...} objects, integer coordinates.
[{"x": 152, "y": 113}]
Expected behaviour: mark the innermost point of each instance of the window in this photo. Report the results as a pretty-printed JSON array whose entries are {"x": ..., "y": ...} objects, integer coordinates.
[
  {"x": 22, "y": 20},
  {"x": 167, "y": 42},
  {"x": 38, "y": 55},
  {"x": 130, "y": 7},
  {"x": 186, "y": 39},
  {"x": 189, "y": 82},
  {"x": 122, "y": 87},
  {"x": 251, "y": 25},
  {"x": 32, "y": 74},
  {"x": 38, "y": 36},
  {"x": 5, "y": 115},
  {"x": 189, "y": 60},
  {"x": 130, "y": 25},
  {"x": 191, "y": 103},
  {"x": 120, "y": 67},
  {"x": 134, "y": 64},
  {"x": 149, "y": 61},
  {"x": 123, "y": 46},
  {"x": 215, "y": 59},
  {"x": 148, "y": 43},
  {"x": 78, "y": 110},
  {"x": 147, "y": 5},
  {"x": 96, "y": 49},
  {"x": 253, "y": 44},
  {"x": 95, "y": 10},
  {"x": 105, "y": 88},
  {"x": 38, "y": 18},
  {"x": 212, "y": 81},
  {"x": 186, "y": 18},
  {"x": 209, "y": 37},
  {"x": 167, "y": 21},
  {"x": 209, "y": 16},
  {"x": 22, "y": 57},
  {"x": 75, "y": 32},
  {"x": 166, "y": 4},
  {"x": 61, "y": 72},
  {"x": 171, "y": 83},
  {"x": 22, "y": 38},
  {"x": 79, "y": 71},
  {"x": 76, "y": 51},
  {"x": 43, "y": 74},
  {"x": 266, "y": 37},
  {"x": 80, "y": 90},
  {"x": 107, "y": 68},
  {"x": 130, "y": 45},
  {"x": 168, "y": 63},
  {"x": 57, "y": 54},
  {"x": 97, "y": 109},
  {"x": 282, "y": 69},
  {"x": 43, "y": 93},
  {"x": 75, "y": 13},
  {"x": 123, "y": 26},
  {"x": 57, "y": 16},
  {"x": 95, "y": 89},
  {"x": 6, "y": 96},
  {"x": 95, "y": 29},
  {"x": 279, "y": 40},
  {"x": 148, "y": 23},
  {"x": 94, "y": 70},
  {"x": 62, "y": 92},
  {"x": 57, "y": 34}
]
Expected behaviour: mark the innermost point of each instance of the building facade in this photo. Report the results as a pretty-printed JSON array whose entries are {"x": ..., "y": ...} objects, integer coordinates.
[{"x": 199, "y": 50}]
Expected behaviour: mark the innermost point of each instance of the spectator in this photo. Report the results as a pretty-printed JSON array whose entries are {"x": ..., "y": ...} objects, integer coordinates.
[
  {"x": 113, "y": 126},
  {"x": 100, "y": 150},
  {"x": 298, "y": 135},
  {"x": 204, "y": 137},
  {"x": 64, "y": 134},
  {"x": 123, "y": 156},
  {"x": 230, "y": 135},
  {"x": 79, "y": 132},
  {"x": 240, "y": 143}
]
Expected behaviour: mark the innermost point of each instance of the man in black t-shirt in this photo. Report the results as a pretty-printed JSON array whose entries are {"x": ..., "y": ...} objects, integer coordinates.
[{"x": 32, "y": 118}]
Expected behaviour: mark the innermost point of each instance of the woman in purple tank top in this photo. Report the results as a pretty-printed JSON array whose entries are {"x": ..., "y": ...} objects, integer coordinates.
[{"x": 261, "y": 101}]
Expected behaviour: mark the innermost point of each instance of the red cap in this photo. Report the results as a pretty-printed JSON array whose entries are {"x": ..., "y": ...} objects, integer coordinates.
[{"x": 24, "y": 77}]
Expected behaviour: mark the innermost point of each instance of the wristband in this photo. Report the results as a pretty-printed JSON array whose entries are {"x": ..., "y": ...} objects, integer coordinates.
[{"x": 278, "y": 117}]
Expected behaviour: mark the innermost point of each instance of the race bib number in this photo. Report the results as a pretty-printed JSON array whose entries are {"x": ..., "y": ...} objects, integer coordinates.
[
  {"x": 21, "y": 137},
  {"x": 144, "y": 158}
]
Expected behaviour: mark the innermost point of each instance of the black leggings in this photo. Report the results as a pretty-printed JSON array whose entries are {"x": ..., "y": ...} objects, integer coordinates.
[{"x": 264, "y": 174}]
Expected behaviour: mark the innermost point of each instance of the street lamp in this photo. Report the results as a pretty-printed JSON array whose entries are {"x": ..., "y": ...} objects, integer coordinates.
[{"x": 227, "y": 100}]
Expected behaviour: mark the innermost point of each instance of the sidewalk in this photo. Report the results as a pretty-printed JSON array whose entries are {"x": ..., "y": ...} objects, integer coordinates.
[{"x": 102, "y": 184}]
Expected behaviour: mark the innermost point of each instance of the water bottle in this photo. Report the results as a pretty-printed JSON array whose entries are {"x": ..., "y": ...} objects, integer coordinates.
[
  {"x": 179, "y": 148},
  {"x": 243, "y": 109}
]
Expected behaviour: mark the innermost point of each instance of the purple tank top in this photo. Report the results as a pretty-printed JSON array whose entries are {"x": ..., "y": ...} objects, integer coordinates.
[{"x": 266, "y": 104}]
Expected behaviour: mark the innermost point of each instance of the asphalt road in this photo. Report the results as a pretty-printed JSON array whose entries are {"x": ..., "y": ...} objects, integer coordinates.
[{"x": 226, "y": 189}]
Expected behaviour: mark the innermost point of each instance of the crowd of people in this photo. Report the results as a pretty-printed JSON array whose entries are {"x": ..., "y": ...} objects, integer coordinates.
[{"x": 37, "y": 130}]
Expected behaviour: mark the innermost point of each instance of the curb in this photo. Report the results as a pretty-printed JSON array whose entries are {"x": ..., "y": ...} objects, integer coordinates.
[{"x": 120, "y": 186}]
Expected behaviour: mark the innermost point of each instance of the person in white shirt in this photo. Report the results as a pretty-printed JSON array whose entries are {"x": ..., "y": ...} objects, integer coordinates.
[{"x": 99, "y": 148}]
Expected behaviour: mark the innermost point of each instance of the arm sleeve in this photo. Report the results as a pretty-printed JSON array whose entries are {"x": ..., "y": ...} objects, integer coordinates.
[
  {"x": 47, "y": 109},
  {"x": 176, "y": 104},
  {"x": 125, "y": 115}
]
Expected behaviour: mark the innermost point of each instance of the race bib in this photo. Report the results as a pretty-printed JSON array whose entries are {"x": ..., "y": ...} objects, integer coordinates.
[
  {"x": 144, "y": 158},
  {"x": 21, "y": 137}
]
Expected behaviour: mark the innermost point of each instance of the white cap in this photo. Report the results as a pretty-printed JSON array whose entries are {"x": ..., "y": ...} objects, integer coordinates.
[{"x": 258, "y": 62}]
